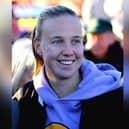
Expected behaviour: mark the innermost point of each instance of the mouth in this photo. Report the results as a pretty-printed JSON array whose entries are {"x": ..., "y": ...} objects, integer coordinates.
[{"x": 66, "y": 62}]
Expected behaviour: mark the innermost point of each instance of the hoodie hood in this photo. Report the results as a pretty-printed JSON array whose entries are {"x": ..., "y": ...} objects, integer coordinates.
[{"x": 97, "y": 80}]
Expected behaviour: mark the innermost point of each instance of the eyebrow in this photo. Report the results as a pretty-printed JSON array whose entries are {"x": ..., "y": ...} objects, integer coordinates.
[
  {"x": 56, "y": 37},
  {"x": 80, "y": 37},
  {"x": 60, "y": 37}
]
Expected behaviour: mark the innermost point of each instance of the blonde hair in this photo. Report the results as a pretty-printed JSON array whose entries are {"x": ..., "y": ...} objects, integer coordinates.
[{"x": 22, "y": 60}]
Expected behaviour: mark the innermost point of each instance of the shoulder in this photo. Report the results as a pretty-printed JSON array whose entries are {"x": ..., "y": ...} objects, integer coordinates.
[
  {"x": 114, "y": 97},
  {"x": 107, "y": 107}
]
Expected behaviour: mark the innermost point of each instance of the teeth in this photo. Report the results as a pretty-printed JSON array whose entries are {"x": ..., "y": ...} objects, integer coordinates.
[{"x": 67, "y": 62}]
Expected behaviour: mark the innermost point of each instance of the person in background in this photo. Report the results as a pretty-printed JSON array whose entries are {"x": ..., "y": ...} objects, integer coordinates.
[
  {"x": 67, "y": 90},
  {"x": 102, "y": 45},
  {"x": 105, "y": 9},
  {"x": 22, "y": 63}
]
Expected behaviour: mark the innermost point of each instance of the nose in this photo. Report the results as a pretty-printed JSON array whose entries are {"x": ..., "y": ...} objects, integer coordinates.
[{"x": 68, "y": 50}]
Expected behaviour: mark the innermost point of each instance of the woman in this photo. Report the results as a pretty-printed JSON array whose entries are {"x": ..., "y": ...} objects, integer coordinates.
[{"x": 67, "y": 92}]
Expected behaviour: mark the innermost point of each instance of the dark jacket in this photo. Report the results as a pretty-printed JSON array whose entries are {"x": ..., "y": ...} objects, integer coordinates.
[{"x": 105, "y": 111}]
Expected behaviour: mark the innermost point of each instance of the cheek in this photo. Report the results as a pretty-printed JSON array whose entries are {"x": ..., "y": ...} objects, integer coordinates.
[
  {"x": 49, "y": 53},
  {"x": 95, "y": 44},
  {"x": 105, "y": 43},
  {"x": 80, "y": 51}
]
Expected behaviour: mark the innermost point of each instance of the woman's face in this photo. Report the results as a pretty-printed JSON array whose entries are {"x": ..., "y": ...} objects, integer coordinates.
[{"x": 61, "y": 46}]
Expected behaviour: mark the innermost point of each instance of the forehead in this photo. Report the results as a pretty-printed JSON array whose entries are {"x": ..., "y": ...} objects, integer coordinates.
[
  {"x": 62, "y": 25},
  {"x": 67, "y": 17}
]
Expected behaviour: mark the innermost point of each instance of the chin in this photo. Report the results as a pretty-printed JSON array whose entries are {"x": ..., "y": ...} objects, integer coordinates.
[{"x": 65, "y": 76}]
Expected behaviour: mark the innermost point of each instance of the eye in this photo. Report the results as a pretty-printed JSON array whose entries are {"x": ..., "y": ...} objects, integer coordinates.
[
  {"x": 76, "y": 41},
  {"x": 57, "y": 41}
]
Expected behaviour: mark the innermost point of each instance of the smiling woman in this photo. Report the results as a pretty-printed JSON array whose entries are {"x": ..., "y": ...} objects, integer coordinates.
[
  {"x": 60, "y": 43},
  {"x": 67, "y": 91}
]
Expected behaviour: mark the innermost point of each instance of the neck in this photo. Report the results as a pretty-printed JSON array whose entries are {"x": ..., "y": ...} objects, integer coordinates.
[{"x": 66, "y": 86}]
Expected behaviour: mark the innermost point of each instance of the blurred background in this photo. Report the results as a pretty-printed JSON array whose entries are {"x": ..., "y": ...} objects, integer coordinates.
[
  {"x": 5, "y": 64},
  {"x": 18, "y": 18},
  {"x": 25, "y": 12}
]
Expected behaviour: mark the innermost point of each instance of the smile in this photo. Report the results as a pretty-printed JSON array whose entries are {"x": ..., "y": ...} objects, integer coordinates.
[{"x": 66, "y": 62}]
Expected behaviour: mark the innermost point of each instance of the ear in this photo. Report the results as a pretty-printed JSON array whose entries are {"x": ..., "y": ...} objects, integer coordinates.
[{"x": 37, "y": 48}]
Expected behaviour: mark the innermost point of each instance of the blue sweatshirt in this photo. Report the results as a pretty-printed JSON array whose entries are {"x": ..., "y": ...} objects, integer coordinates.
[{"x": 65, "y": 112}]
